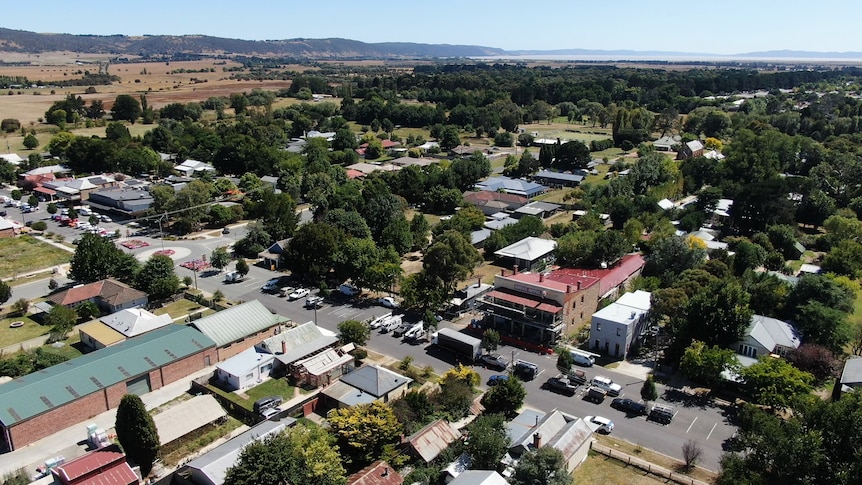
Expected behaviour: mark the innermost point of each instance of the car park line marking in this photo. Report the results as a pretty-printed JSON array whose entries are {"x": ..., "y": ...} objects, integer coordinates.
[
  {"x": 710, "y": 431},
  {"x": 692, "y": 424}
]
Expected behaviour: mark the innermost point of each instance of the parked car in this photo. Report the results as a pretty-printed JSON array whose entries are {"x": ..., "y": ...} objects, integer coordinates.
[
  {"x": 298, "y": 293},
  {"x": 105, "y": 218},
  {"x": 377, "y": 322},
  {"x": 661, "y": 414},
  {"x": 400, "y": 330},
  {"x": 348, "y": 290},
  {"x": 494, "y": 360},
  {"x": 561, "y": 384},
  {"x": 629, "y": 406},
  {"x": 605, "y": 424},
  {"x": 225, "y": 231},
  {"x": 595, "y": 394},
  {"x": 388, "y": 302},
  {"x": 314, "y": 302},
  {"x": 497, "y": 379},
  {"x": 390, "y": 324},
  {"x": 265, "y": 403},
  {"x": 271, "y": 286},
  {"x": 607, "y": 385},
  {"x": 526, "y": 371}
]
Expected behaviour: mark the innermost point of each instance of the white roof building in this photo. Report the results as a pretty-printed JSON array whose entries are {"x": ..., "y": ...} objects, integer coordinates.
[
  {"x": 614, "y": 328},
  {"x": 527, "y": 251},
  {"x": 12, "y": 158},
  {"x": 135, "y": 321}
]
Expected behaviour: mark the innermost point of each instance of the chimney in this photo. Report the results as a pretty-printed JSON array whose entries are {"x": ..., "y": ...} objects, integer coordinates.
[
  {"x": 579, "y": 286},
  {"x": 478, "y": 282},
  {"x": 515, "y": 270},
  {"x": 503, "y": 272},
  {"x": 568, "y": 288},
  {"x": 385, "y": 472},
  {"x": 284, "y": 346},
  {"x": 537, "y": 440},
  {"x": 633, "y": 316},
  {"x": 541, "y": 277}
]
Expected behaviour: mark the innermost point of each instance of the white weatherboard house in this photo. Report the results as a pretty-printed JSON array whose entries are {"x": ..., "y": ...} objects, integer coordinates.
[
  {"x": 615, "y": 327},
  {"x": 765, "y": 336},
  {"x": 245, "y": 369}
]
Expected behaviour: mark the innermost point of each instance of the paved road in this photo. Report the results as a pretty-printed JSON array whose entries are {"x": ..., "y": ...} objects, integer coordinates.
[{"x": 707, "y": 425}]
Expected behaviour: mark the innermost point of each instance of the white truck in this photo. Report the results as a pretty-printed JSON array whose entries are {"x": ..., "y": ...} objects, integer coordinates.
[{"x": 232, "y": 277}]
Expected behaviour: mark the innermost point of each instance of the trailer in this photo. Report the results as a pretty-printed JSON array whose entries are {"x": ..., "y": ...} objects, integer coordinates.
[{"x": 465, "y": 346}]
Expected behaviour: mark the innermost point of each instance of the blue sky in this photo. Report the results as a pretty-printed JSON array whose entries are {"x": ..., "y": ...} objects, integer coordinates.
[{"x": 725, "y": 27}]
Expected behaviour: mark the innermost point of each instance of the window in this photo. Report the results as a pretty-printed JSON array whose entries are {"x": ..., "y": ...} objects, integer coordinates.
[
  {"x": 598, "y": 327},
  {"x": 250, "y": 376},
  {"x": 619, "y": 332},
  {"x": 582, "y": 298}
]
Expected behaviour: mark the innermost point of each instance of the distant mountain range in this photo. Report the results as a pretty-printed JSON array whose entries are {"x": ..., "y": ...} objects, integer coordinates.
[{"x": 335, "y": 48}]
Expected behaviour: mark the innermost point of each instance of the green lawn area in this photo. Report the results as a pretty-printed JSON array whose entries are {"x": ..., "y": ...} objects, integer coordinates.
[
  {"x": 25, "y": 253},
  {"x": 598, "y": 468},
  {"x": 272, "y": 387},
  {"x": 178, "y": 308},
  {"x": 11, "y": 336}
]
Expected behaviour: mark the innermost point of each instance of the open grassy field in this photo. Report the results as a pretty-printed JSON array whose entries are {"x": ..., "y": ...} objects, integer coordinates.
[
  {"x": 178, "y": 308},
  {"x": 24, "y": 253}
]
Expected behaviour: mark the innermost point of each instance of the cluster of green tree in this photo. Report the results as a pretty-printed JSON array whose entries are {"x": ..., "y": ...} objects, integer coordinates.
[
  {"x": 30, "y": 361},
  {"x": 817, "y": 443},
  {"x": 97, "y": 258}
]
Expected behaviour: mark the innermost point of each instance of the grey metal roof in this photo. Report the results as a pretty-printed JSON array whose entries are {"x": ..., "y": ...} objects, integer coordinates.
[
  {"x": 214, "y": 464},
  {"x": 479, "y": 477},
  {"x": 549, "y": 175},
  {"x": 238, "y": 322},
  {"x": 347, "y": 394},
  {"x": 42, "y": 391},
  {"x": 852, "y": 373},
  {"x": 771, "y": 332},
  {"x": 375, "y": 380},
  {"x": 298, "y": 342}
]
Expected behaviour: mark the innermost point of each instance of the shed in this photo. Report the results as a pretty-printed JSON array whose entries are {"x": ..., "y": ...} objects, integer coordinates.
[
  {"x": 430, "y": 441},
  {"x": 181, "y": 419},
  {"x": 103, "y": 466},
  {"x": 245, "y": 369}
]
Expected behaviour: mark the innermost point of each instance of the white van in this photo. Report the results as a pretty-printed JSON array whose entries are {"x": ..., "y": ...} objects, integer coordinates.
[
  {"x": 391, "y": 324},
  {"x": 582, "y": 358}
]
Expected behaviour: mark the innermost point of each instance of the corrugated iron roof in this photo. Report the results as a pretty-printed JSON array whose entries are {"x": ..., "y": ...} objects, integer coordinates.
[
  {"x": 377, "y": 473},
  {"x": 238, "y": 322},
  {"x": 42, "y": 391},
  {"x": 431, "y": 440},
  {"x": 187, "y": 416}
]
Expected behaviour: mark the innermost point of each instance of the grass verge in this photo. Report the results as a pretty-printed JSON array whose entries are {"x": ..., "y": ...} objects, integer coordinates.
[
  {"x": 598, "y": 468},
  {"x": 655, "y": 458}
]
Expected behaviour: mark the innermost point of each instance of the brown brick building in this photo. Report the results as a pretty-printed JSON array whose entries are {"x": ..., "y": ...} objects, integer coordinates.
[{"x": 40, "y": 404}]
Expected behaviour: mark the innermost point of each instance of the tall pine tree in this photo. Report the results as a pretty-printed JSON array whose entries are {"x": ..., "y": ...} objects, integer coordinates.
[{"x": 137, "y": 432}]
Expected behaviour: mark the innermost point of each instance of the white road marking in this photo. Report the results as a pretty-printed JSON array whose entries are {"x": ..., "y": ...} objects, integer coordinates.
[
  {"x": 692, "y": 424},
  {"x": 710, "y": 431}
]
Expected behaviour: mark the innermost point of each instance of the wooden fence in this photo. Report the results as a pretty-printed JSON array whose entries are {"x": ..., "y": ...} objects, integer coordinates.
[{"x": 646, "y": 466}]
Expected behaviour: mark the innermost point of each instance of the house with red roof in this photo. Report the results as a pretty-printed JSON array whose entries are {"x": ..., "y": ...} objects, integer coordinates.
[
  {"x": 104, "y": 466},
  {"x": 377, "y": 473},
  {"x": 109, "y": 294},
  {"x": 617, "y": 276}
]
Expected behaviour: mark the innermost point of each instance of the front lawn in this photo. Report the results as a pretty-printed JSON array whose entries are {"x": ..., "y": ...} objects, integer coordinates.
[
  {"x": 24, "y": 253},
  {"x": 272, "y": 387},
  {"x": 10, "y": 336}
]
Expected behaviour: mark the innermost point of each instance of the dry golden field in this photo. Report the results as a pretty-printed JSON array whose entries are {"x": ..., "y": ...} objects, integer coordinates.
[{"x": 156, "y": 80}]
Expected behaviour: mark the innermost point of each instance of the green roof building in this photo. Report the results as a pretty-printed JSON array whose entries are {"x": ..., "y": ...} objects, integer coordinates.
[{"x": 39, "y": 404}]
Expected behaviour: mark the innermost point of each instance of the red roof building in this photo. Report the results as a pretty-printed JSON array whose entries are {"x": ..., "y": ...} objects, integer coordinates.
[
  {"x": 615, "y": 277},
  {"x": 105, "y": 466},
  {"x": 539, "y": 308},
  {"x": 377, "y": 473},
  {"x": 109, "y": 294}
]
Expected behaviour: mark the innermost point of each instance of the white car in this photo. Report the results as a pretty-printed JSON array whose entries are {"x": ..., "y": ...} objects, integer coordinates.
[
  {"x": 377, "y": 322},
  {"x": 607, "y": 385},
  {"x": 605, "y": 425},
  {"x": 105, "y": 218},
  {"x": 298, "y": 293},
  {"x": 388, "y": 302}
]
